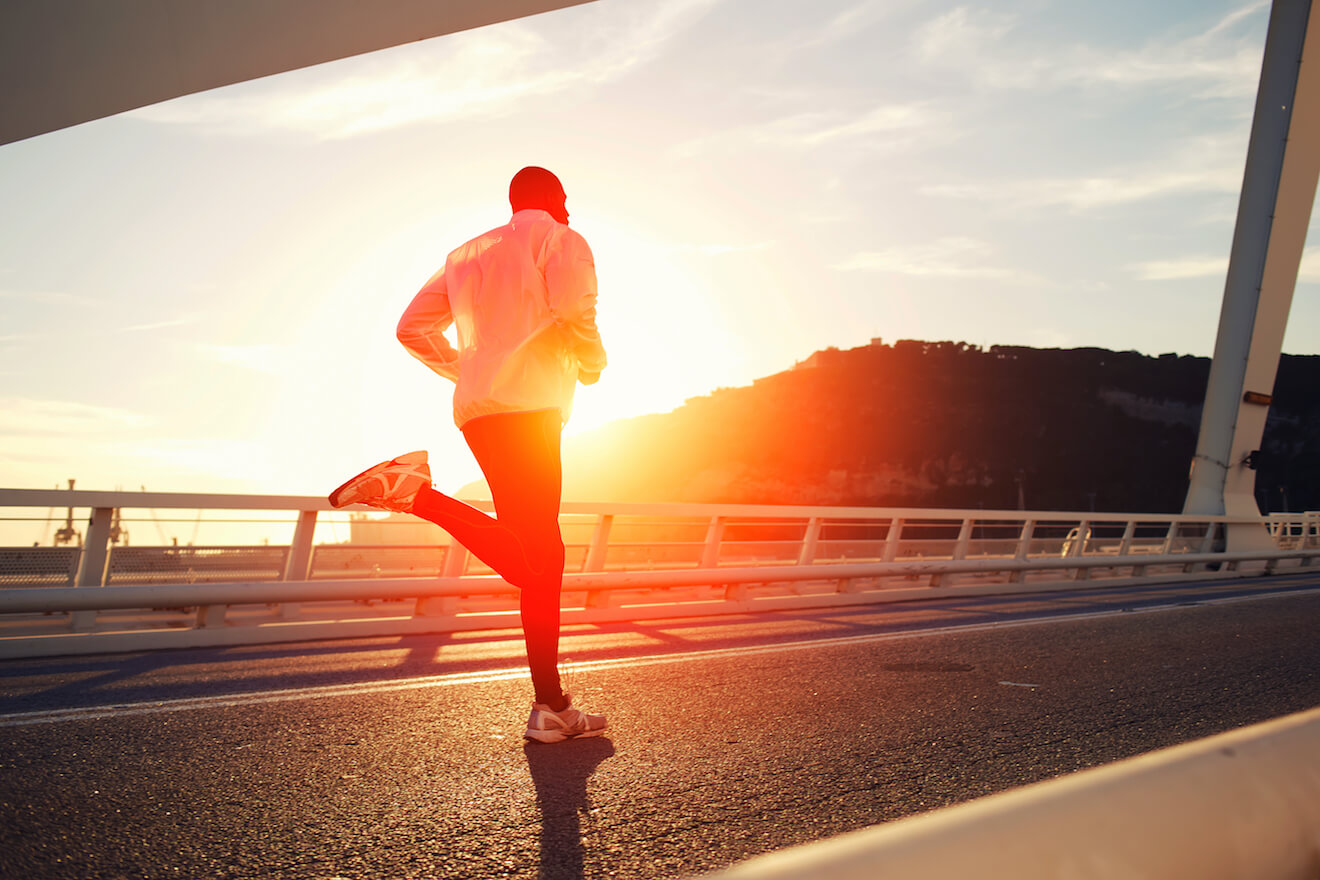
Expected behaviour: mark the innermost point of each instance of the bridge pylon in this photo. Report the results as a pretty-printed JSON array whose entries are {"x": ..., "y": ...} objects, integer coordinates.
[{"x": 1274, "y": 211}]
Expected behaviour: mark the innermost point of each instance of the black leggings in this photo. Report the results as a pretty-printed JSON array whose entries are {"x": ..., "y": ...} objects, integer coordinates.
[{"x": 519, "y": 455}]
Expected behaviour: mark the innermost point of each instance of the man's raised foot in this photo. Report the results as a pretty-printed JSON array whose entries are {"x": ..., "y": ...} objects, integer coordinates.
[{"x": 390, "y": 485}]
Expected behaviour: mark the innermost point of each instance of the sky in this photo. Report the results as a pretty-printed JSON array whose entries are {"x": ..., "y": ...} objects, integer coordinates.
[{"x": 201, "y": 295}]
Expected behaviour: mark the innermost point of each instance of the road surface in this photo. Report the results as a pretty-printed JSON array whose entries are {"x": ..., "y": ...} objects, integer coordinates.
[{"x": 401, "y": 757}]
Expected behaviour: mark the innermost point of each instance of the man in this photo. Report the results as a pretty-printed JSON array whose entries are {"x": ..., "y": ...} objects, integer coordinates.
[{"x": 522, "y": 298}]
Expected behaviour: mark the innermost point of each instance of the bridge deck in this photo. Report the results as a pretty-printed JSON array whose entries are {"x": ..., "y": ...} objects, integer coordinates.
[{"x": 400, "y": 757}]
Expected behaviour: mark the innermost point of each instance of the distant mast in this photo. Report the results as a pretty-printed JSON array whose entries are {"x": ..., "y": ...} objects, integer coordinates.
[{"x": 68, "y": 534}]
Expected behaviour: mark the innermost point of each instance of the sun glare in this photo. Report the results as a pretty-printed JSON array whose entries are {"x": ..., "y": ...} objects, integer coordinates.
[{"x": 660, "y": 321}]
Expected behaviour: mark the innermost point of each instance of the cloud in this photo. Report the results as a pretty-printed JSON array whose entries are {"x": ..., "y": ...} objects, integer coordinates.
[
  {"x": 641, "y": 32},
  {"x": 1187, "y": 267},
  {"x": 878, "y": 120},
  {"x": 106, "y": 448},
  {"x": 48, "y": 297},
  {"x": 720, "y": 249},
  {"x": 962, "y": 35},
  {"x": 953, "y": 257},
  {"x": 889, "y": 127},
  {"x": 853, "y": 20},
  {"x": 1210, "y": 164},
  {"x": 262, "y": 358},
  {"x": 160, "y": 325},
  {"x": 1222, "y": 60},
  {"x": 482, "y": 73},
  {"x": 1083, "y": 193},
  {"x": 26, "y": 417},
  {"x": 1217, "y": 267},
  {"x": 1309, "y": 272},
  {"x": 210, "y": 456}
]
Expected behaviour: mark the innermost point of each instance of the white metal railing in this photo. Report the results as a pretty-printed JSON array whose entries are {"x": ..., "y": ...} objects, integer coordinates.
[{"x": 626, "y": 561}]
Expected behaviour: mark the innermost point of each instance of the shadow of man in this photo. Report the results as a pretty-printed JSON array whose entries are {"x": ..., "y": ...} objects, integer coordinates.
[{"x": 560, "y": 774}]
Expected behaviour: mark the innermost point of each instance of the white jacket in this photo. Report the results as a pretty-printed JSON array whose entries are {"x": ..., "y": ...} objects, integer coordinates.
[{"x": 523, "y": 301}]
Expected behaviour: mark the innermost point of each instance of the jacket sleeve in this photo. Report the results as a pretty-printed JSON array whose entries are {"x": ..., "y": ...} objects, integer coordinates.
[
  {"x": 570, "y": 277},
  {"x": 423, "y": 325}
]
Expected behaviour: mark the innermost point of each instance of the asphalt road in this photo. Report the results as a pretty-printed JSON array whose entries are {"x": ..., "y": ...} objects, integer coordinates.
[{"x": 402, "y": 757}]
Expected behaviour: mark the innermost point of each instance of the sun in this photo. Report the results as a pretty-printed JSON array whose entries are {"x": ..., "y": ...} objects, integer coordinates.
[{"x": 659, "y": 318}]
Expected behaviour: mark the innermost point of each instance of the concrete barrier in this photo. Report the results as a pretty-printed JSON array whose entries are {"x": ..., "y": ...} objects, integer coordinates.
[{"x": 1243, "y": 805}]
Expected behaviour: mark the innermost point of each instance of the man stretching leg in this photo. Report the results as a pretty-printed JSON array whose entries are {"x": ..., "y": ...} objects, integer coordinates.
[{"x": 522, "y": 298}]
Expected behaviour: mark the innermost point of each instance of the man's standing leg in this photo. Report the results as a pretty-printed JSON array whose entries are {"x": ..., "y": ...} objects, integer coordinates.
[{"x": 519, "y": 455}]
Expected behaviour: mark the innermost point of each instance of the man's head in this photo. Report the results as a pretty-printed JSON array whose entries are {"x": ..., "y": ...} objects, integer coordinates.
[{"x": 535, "y": 187}]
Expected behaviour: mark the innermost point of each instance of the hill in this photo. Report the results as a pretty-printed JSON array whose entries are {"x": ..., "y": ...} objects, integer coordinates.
[{"x": 946, "y": 424}]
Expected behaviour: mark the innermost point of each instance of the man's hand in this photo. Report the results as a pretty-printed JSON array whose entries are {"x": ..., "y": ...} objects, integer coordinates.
[{"x": 587, "y": 378}]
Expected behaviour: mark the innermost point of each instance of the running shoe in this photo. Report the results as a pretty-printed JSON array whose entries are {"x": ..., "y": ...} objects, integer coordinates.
[
  {"x": 548, "y": 726},
  {"x": 390, "y": 485}
]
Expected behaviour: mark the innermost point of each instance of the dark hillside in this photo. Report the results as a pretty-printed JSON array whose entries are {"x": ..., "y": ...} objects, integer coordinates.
[{"x": 946, "y": 424}]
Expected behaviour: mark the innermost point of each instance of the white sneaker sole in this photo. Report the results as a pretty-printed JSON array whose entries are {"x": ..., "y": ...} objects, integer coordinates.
[
  {"x": 555, "y": 736},
  {"x": 409, "y": 458}
]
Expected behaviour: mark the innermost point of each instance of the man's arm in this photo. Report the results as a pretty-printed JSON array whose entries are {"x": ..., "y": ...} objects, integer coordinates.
[
  {"x": 423, "y": 325},
  {"x": 570, "y": 276}
]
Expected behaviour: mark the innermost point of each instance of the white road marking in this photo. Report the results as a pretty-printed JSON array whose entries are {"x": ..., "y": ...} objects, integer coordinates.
[{"x": 91, "y": 713}]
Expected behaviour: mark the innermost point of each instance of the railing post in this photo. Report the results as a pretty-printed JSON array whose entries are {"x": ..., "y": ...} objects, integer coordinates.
[
  {"x": 1140, "y": 570},
  {"x": 1023, "y": 550},
  {"x": 210, "y": 616},
  {"x": 807, "y": 554},
  {"x": 710, "y": 558},
  {"x": 94, "y": 562},
  {"x": 1310, "y": 530},
  {"x": 1167, "y": 547},
  {"x": 1125, "y": 543},
  {"x": 1285, "y": 527},
  {"x": 959, "y": 549},
  {"x": 710, "y": 554},
  {"x": 964, "y": 539},
  {"x": 892, "y": 539},
  {"x": 600, "y": 542},
  {"x": 96, "y": 549},
  {"x": 298, "y": 567},
  {"x": 1207, "y": 545},
  {"x": 1078, "y": 550},
  {"x": 456, "y": 557},
  {"x": 435, "y": 606}
]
